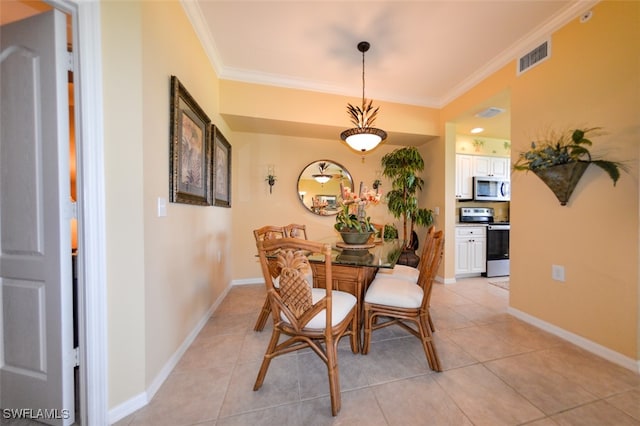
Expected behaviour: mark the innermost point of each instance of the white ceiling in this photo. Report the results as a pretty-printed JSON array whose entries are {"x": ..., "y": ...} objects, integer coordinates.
[{"x": 423, "y": 52}]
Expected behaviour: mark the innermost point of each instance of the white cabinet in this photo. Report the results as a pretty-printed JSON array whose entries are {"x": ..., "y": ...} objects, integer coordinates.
[
  {"x": 471, "y": 252},
  {"x": 468, "y": 166},
  {"x": 464, "y": 175},
  {"x": 492, "y": 166}
]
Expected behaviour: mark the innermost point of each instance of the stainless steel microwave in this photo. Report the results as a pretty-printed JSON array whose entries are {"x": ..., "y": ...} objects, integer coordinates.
[{"x": 491, "y": 188}]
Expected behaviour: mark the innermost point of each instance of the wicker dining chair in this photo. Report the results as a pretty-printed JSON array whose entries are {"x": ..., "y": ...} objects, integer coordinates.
[
  {"x": 313, "y": 318},
  {"x": 294, "y": 230},
  {"x": 265, "y": 233},
  {"x": 391, "y": 301},
  {"x": 409, "y": 273}
]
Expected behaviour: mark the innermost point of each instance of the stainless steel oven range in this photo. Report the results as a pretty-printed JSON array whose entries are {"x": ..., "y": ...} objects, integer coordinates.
[{"x": 497, "y": 249}]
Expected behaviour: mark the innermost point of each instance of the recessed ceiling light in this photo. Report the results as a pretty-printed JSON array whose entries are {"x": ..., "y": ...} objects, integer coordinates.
[{"x": 477, "y": 130}]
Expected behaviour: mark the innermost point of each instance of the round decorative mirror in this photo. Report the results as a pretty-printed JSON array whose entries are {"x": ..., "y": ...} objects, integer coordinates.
[{"x": 319, "y": 186}]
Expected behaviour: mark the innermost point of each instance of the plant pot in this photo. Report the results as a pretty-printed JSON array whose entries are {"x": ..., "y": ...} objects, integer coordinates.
[
  {"x": 563, "y": 178},
  {"x": 355, "y": 238},
  {"x": 408, "y": 257}
]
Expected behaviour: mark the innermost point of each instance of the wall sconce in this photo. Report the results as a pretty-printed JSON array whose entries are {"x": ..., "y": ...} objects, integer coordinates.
[
  {"x": 271, "y": 177},
  {"x": 377, "y": 184}
]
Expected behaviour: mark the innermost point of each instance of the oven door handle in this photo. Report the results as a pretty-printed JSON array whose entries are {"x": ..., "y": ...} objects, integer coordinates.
[{"x": 498, "y": 227}]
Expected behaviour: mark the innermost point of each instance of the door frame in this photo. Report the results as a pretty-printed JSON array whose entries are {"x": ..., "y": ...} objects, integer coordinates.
[{"x": 89, "y": 139}]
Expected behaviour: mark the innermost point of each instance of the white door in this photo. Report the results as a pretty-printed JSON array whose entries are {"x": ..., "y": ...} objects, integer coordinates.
[{"x": 36, "y": 356}]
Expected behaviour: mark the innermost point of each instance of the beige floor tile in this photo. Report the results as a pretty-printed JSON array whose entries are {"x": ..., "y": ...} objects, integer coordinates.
[
  {"x": 390, "y": 360},
  {"x": 484, "y": 345},
  {"x": 551, "y": 392},
  {"x": 598, "y": 413},
  {"x": 359, "y": 408},
  {"x": 480, "y": 314},
  {"x": 629, "y": 402},
  {"x": 484, "y": 398},
  {"x": 205, "y": 352},
  {"x": 451, "y": 355},
  {"x": 176, "y": 402},
  {"x": 227, "y": 324},
  {"x": 280, "y": 386},
  {"x": 521, "y": 333},
  {"x": 418, "y": 401},
  {"x": 527, "y": 373},
  {"x": 600, "y": 376},
  {"x": 445, "y": 318},
  {"x": 282, "y": 415}
]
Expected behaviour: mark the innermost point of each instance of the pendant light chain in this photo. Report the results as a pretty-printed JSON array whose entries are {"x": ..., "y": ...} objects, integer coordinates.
[{"x": 363, "y": 98}]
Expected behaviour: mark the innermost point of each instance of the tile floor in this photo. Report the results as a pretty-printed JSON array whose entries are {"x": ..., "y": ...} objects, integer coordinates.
[{"x": 498, "y": 371}]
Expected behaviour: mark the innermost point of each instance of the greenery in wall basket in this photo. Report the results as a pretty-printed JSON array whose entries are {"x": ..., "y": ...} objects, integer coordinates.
[{"x": 561, "y": 158}]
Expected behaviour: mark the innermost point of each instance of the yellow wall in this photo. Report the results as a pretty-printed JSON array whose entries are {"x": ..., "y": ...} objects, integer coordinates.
[
  {"x": 591, "y": 79},
  {"x": 254, "y": 206},
  {"x": 163, "y": 272},
  {"x": 122, "y": 44}
]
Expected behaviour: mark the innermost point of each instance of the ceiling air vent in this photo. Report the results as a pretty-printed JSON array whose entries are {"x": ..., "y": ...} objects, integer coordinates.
[
  {"x": 534, "y": 57},
  {"x": 489, "y": 112}
]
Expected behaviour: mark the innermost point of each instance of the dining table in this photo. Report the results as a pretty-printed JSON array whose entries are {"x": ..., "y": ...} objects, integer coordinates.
[{"x": 354, "y": 267}]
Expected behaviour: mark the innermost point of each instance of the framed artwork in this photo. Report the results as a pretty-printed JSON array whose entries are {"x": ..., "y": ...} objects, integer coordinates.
[
  {"x": 221, "y": 169},
  {"x": 190, "y": 174}
]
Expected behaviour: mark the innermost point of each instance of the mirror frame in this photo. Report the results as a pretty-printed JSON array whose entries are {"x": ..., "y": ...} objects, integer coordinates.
[{"x": 327, "y": 195}]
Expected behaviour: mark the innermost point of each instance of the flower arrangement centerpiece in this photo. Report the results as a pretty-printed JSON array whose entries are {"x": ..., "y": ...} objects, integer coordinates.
[{"x": 352, "y": 221}]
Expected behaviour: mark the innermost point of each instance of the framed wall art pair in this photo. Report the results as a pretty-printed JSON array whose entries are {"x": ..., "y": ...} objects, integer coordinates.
[{"x": 199, "y": 154}]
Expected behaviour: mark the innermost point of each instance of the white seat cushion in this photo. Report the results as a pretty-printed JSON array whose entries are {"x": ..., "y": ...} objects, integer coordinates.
[
  {"x": 390, "y": 291},
  {"x": 402, "y": 272},
  {"x": 342, "y": 303}
]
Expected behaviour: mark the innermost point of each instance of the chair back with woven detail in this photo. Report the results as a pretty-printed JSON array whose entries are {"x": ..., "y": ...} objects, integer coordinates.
[
  {"x": 294, "y": 230},
  {"x": 430, "y": 231},
  {"x": 269, "y": 232},
  {"x": 315, "y": 318},
  {"x": 266, "y": 233},
  {"x": 430, "y": 264}
]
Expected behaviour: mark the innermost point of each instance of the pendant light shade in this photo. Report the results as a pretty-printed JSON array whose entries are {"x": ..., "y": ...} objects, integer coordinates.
[
  {"x": 363, "y": 137},
  {"x": 322, "y": 177}
]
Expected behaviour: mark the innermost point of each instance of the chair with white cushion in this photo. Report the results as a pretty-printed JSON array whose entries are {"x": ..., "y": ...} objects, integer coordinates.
[
  {"x": 267, "y": 232},
  {"x": 390, "y": 300},
  {"x": 406, "y": 272},
  {"x": 313, "y": 318},
  {"x": 409, "y": 273},
  {"x": 294, "y": 230}
]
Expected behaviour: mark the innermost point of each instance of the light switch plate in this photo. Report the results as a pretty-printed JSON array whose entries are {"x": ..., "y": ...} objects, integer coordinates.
[{"x": 162, "y": 207}]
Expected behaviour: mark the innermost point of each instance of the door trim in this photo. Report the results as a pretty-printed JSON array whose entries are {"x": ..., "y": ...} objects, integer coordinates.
[{"x": 92, "y": 299}]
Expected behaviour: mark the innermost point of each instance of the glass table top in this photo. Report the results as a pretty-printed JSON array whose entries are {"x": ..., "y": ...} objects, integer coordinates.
[{"x": 379, "y": 255}]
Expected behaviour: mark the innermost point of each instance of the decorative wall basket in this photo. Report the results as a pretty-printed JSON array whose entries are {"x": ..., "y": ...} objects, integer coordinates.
[{"x": 563, "y": 178}]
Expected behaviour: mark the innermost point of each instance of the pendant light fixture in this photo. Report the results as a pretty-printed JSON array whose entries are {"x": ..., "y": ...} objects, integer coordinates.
[
  {"x": 363, "y": 137},
  {"x": 322, "y": 177}
]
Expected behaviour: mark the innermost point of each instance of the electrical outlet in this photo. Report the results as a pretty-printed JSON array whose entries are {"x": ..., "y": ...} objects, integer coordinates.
[{"x": 557, "y": 272}]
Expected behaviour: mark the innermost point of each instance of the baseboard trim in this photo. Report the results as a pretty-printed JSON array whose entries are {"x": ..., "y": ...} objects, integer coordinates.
[
  {"x": 246, "y": 281},
  {"x": 586, "y": 344},
  {"x": 137, "y": 402}
]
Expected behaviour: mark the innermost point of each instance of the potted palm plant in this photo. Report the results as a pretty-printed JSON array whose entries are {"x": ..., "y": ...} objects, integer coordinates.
[
  {"x": 402, "y": 166},
  {"x": 561, "y": 158}
]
